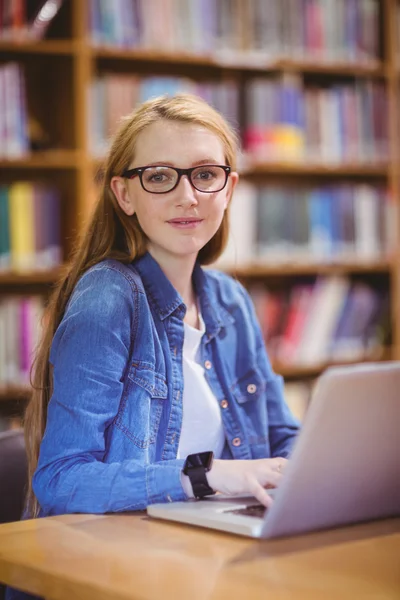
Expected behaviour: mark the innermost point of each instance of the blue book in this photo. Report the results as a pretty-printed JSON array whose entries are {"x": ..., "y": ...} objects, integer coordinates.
[
  {"x": 5, "y": 257},
  {"x": 320, "y": 224}
]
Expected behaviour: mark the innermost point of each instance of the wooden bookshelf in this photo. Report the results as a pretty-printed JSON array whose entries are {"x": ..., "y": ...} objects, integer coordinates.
[
  {"x": 13, "y": 393},
  {"x": 153, "y": 57},
  {"x": 67, "y": 61},
  {"x": 52, "y": 47},
  {"x": 256, "y": 271},
  {"x": 314, "y": 370},
  {"x": 47, "y": 159},
  {"x": 29, "y": 278},
  {"x": 361, "y": 170}
]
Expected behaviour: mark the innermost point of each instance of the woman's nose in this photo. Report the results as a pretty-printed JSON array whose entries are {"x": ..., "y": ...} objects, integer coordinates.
[{"x": 186, "y": 193}]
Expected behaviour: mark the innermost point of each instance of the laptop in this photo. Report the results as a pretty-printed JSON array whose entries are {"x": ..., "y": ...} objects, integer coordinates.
[{"x": 344, "y": 468}]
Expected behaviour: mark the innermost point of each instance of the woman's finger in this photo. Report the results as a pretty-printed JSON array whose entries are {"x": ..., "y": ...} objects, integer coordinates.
[
  {"x": 269, "y": 477},
  {"x": 279, "y": 464},
  {"x": 260, "y": 494}
]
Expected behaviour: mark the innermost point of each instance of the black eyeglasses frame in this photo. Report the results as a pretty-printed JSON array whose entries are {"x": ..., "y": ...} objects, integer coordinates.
[{"x": 138, "y": 171}]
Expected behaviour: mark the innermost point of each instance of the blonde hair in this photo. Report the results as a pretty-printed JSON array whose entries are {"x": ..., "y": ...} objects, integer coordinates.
[{"x": 113, "y": 234}]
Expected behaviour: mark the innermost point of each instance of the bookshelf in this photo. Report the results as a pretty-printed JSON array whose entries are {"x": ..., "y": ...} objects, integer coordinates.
[{"x": 59, "y": 71}]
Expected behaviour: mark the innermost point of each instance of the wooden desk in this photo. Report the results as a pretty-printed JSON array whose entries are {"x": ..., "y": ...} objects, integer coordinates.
[{"x": 123, "y": 556}]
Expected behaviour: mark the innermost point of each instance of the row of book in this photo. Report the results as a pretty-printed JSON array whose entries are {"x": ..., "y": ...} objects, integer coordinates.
[
  {"x": 14, "y": 139},
  {"x": 329, "y": 319},
  {"x": 20, "y": 330},
  {"x": 113, "y": 96},
  {"x": 30, "y": 227},
  {"x": 250, "y": 31},
  {"x": 286, "y": 120},
  {"x": 291, "y": 223}
]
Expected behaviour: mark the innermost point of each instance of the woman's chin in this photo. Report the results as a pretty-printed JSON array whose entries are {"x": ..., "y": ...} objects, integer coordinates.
[{"x": 187, "y": 247}]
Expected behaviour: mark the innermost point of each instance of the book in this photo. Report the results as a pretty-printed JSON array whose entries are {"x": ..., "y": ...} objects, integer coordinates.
[
  {"x": 5, "y": 254},
  {"x": 22, "y": 226}
]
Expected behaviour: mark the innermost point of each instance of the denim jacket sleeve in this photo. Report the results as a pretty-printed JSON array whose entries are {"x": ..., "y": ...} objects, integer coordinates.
[
  {"x": 90, "y": 353},
  {"x": 283, "y": 426}
]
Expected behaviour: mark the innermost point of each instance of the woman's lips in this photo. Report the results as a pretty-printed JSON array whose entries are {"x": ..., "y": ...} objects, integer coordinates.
[{"x": 188, "y": 223}]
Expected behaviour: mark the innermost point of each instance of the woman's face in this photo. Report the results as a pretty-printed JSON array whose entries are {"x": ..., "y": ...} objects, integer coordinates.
[{"x": 180, "y": 145}]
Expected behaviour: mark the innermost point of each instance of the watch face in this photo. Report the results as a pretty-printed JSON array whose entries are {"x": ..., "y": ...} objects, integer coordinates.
[{"x": 202, "y": 459}]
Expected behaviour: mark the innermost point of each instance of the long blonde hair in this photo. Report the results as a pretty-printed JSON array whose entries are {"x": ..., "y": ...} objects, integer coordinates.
[{"x": 112, "y": 234}]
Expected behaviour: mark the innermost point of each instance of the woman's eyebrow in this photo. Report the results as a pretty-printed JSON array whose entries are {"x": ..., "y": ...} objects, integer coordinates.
[{"x": 167, "y": 163}]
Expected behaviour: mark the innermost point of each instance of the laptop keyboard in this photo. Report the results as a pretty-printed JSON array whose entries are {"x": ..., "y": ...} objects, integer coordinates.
[{"x": 256, "y": 510}]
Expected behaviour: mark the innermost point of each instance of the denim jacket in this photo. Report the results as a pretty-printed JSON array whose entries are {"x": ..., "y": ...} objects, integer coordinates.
[{"x": 115, "y": 416}]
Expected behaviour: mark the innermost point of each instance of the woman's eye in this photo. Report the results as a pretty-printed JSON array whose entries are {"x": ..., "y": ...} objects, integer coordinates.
[
  {"x": 156, "y": 178},
  {"x": 206, "y": 175}
]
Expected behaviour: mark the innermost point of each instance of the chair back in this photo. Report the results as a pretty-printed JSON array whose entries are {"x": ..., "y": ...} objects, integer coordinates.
[{"x": 13, "y": 475}]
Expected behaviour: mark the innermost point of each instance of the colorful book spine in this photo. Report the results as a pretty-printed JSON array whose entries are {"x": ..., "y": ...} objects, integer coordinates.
[
  {"x": 20, "y": 332},
  {"x": 254, "y": 32}
]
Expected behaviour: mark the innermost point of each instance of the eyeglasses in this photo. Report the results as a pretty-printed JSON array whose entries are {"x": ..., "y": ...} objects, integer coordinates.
[{"x": 161, "y": 180}]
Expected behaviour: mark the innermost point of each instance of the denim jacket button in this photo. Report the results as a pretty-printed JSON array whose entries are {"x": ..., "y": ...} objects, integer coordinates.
[
  {"x": 236, "y": 441},
  {"x": 251, "y": 388},
  {"x": 208, "y": 365},
  {"x": 224, "y": 403}
]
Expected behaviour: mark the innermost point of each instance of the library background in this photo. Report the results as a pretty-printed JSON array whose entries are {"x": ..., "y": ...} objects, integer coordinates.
[{"x": 311, "y": 86}]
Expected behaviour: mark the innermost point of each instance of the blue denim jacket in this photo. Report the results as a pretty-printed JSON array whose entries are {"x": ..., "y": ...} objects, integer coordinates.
[{"x": 115, "y": 415}]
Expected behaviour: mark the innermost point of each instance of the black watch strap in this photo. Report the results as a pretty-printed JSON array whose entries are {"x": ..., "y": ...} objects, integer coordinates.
[{"x": 199, "y": 482}]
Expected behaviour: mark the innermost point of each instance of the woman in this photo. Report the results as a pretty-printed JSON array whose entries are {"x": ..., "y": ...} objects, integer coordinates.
[{"x": 147, "y": 358}]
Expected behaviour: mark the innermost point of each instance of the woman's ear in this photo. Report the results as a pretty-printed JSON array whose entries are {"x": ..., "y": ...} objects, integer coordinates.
[
  {"x": 232, "y": 183},
  {"x": 120, "y": 189}
]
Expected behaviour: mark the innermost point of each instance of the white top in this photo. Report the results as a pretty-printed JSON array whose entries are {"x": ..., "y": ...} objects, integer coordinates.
[{"x": 202, "y": 427}]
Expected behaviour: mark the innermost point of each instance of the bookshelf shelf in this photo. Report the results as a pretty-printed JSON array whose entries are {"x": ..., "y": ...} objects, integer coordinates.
[
  {"x": 12, "y": 393},
  {"x": 301, "y": 372},
  {"x": 239, "y": 62},
  {"x": 60, "y": 47},
  {"x": 153, "y": 56},
  {"x": 30, "y": 278},
  {"x": 331, "y": 68},
  {"x": 293, "y": 269},
  {"x": 48, "y": 159},
  {"x": 316, "y": 170}
]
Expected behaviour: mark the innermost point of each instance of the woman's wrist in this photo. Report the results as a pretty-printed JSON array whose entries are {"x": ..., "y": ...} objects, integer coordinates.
[
  {"x": 212, "y": 475},
  {"x": 187, "y": 486}
]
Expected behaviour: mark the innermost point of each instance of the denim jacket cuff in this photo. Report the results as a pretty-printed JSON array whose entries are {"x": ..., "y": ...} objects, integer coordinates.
[{"x": 163, "y": 482}]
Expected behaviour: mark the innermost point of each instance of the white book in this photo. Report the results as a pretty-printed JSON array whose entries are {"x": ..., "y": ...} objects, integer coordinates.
[
  {"x": 325, "y": 308},
  {"x": 330, "y": 127},
  {"x": 14, "y": 143},
  {"x": 12, "y": 335},
  {"x": 242, "y": 231},
  {"x": 366, "y": 219}
]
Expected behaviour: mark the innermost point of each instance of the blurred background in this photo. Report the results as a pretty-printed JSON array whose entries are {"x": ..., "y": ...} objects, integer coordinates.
[{"x": 311, "y": 87}]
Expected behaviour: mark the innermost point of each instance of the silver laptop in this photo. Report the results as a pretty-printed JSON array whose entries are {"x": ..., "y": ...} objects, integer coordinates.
[{"x": 345, "y": 466}]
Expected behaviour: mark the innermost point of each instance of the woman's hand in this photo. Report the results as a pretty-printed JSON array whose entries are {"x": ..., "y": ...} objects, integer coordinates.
[{"x": 241, "y": 477}]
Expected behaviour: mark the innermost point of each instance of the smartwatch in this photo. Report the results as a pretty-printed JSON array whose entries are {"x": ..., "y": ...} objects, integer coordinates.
[{"x": 196, "y": 466}]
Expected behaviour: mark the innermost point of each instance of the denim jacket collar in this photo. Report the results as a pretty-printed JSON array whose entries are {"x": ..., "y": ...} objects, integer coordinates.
[{"x": 167, "y": 300}]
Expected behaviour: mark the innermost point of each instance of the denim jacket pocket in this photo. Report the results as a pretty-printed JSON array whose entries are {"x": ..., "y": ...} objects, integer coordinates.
[
  {"x": 249, "y": 392},
  {"x": 249, "y": 387},
  {"x": 142, "y": 404}
]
